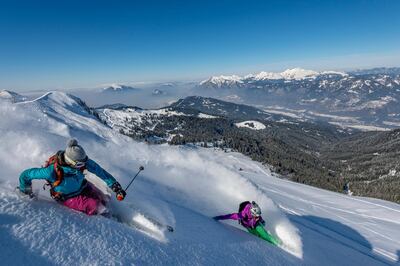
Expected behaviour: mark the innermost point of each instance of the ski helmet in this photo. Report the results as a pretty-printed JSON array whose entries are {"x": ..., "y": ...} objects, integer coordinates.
[{"x": 255, "y": 209}]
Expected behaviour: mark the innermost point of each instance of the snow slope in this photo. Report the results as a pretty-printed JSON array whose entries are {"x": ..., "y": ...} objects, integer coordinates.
[
  {"x": 251, "y": 124},
  {"x": 11, "y": 96},
  {"x": 181, "y": 186},
  {"x": 117, "y": 118}
]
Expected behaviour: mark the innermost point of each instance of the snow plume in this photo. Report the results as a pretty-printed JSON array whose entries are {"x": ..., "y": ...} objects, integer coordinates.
[
  {"x": 210, "y": 187},
  {"x": 21, "y": 147},
  {"x": 195, "y": 183}
]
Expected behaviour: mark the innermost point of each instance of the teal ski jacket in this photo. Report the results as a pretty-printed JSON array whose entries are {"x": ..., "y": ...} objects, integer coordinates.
[{"x": 73, "y": 179}]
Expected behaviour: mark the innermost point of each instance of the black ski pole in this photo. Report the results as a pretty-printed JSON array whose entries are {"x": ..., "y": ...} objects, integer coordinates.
[{"x": 141, "y": 168}]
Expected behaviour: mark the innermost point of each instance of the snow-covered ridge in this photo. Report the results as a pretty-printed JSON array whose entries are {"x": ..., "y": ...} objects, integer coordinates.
[
  {"x": 117, "y": 118},
  {"x": 289, "y": 74},
  {"x": 124, "y": 118},
  {"x": 11, "y": 96}
]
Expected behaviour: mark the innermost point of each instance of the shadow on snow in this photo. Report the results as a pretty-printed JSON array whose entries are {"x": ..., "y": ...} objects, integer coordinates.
[{"x": 338, "y": 239}]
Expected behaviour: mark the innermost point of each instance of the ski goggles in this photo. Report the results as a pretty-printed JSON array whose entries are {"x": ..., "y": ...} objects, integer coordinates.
[
  {"x": 75, "y": 164},
  {"x": 255, "y": 212}
]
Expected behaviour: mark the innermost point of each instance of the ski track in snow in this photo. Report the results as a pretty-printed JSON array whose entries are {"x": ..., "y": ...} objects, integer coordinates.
[{"x": 180, "y": 186}]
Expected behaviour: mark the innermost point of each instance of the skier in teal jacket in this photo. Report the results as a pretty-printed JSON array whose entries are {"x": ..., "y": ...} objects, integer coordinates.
[{"x": 65, "y": 174}]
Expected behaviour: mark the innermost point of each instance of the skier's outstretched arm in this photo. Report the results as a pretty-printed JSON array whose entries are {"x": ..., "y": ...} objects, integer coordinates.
[
  {"x": 26, "y": 177},
  {"x": 96, "y": 169},
  {"x": 231, "y": 216}
]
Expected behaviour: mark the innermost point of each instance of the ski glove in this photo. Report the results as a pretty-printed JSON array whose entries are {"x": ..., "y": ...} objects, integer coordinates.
[
  {"x": 116, "y": 187},
  {"x": 27, "y": 191}
]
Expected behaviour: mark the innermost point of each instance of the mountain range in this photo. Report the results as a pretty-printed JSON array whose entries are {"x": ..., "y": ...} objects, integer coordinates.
[{"x": 359, "y": 98}]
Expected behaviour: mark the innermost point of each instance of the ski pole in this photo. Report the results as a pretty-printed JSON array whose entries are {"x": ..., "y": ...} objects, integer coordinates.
[{"x": 141, "y": 168}]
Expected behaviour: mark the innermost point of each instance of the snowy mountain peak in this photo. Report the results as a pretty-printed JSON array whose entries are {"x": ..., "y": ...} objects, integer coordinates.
[
  {"x": 114, "y": 87},
  {"x": 265, "y": 75},
  {"x": 223, "y": 80},
  {"x": 298, "y": 73},
  {"x": 330, "y": 72},
  {"x": 119, "y": 88},
  {"x": 11, "y": 96}
]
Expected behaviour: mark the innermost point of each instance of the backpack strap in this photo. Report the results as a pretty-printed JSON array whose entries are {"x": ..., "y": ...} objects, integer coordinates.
[{"x": 57, "y": 161}]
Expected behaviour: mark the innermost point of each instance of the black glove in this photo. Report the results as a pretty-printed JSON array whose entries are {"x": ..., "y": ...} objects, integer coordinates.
[
  {"x": 27, "y": 191},
  {"x": 120, "y": 193}
]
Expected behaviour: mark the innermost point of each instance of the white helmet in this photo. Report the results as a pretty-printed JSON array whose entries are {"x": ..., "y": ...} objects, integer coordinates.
[{"x": 255, "y": 209}]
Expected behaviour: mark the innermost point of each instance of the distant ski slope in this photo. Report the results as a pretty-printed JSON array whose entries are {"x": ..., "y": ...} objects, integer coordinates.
[{"x": 180, "y": 186}]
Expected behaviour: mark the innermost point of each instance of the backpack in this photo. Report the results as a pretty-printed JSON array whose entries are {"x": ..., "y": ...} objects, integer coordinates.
[
  {"x": 243, "y": 205},
  {"x": 56, "y": 161}
]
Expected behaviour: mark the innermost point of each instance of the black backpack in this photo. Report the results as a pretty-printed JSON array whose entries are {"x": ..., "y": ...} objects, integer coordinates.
[{"x": 243, "y": 205}]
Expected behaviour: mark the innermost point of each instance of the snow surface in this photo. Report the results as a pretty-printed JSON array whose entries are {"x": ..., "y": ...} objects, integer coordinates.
[
  {"x": 364, "y": 128},
  {"x": 223, "y": 80},
  {"x": 183, "y": 187},
  {"x": 201, "y": 115},
  {"x": 264, "y": 75},
  {"x": 298, "y": 73},
  {"x": 373, "y": 104},
  {"x": 117, "y": 118},
  {"x": 148, "y": 119},
  {"x": 113, "y": 86},
  {"x": 251, "y": 124},
  {"x": 279, "y": 112},
  {"x": 11, "y": 96}
]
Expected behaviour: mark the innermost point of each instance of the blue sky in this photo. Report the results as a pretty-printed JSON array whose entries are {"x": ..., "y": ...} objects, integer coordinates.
[{"x": 72, "y": 44}]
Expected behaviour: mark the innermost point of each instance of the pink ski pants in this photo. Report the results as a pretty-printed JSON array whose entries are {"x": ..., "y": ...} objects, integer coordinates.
[{"x": 91, "y": 201}]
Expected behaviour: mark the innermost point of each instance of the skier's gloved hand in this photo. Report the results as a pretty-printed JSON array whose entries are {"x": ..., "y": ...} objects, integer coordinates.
[
  {"x": 120, "y": 193},
  {"x": 27, "y": 191}
]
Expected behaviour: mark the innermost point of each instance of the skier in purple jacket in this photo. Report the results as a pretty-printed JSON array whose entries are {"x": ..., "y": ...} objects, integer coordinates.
[{"x": 249, "y": 216}]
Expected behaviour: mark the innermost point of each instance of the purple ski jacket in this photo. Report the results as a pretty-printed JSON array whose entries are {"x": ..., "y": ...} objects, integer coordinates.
[{"x": 245, "y": 217}]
